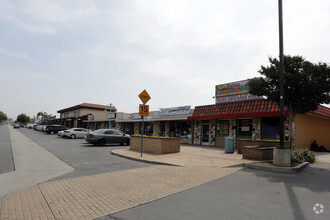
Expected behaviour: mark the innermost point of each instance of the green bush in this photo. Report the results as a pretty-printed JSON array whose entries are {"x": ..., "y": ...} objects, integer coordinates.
[
  {"x": 302, "y": 155},
  {"x": 139, "y": 135}
]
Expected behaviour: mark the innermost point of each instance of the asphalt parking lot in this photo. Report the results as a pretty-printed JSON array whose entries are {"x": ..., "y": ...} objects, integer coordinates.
[{"x": 84, "y": 157}]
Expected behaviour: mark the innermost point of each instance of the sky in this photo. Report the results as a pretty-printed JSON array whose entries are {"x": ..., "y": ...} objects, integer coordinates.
[{"x": 57, "y": 54}]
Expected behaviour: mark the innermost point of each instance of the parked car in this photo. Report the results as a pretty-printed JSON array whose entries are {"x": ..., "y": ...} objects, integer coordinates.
[
  {"x": 107, "y": 136},
  {"x": 60, "y": 133},
  {"x": 53, "y": 129},
  {"x": 75, "y": 133},
  {"x": 16, "y": 126},
  {"x": 29, "y": 126}
]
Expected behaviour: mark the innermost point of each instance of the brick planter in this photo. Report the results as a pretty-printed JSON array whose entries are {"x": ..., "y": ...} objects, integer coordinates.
[
  {"x": 257, "y": 152},
  {"x": 156, "y": 145}
]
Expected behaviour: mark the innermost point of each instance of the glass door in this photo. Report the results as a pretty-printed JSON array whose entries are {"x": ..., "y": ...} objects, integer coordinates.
[{"x": 205, "y": 133}]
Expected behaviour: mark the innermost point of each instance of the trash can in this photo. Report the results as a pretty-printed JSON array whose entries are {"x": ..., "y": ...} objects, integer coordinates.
[{"x": 229, "y": 144}]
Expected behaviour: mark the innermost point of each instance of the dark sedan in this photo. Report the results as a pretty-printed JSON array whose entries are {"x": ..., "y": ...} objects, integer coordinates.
[{"x": 107, "y": 136}]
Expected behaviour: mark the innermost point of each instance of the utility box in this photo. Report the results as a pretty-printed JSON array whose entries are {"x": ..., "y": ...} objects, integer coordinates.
[{"x": 229, "y": 145}]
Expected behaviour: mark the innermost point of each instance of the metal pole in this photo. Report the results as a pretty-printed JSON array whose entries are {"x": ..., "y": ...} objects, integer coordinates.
[
  {"x": 142, "y": 135},
  {"x": 280, "y": 15}
]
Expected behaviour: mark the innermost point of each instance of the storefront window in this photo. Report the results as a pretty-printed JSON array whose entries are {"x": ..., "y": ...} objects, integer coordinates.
[
  {"x": 180, "y": 129},
  {"x": 222, "y": 128},
  {"x": 244, "y": 128},
  {"x": 270, "y": 127},
  {"x": 128, "y": 128},
  {"x": 149, "y": 128},
  {"x": 162, "y": 128}
]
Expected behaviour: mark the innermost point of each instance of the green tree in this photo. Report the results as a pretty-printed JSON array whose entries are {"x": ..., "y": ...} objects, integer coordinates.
[
  {"x": 307, "y": 85},
  {"x": 23, "y": 118},
  {"x": 3, "y": 116}
]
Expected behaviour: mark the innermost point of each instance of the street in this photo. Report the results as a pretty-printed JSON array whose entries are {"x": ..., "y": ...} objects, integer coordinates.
[
  {"x": 144, "y": 191},
  {"x": 85, "y": 158}
]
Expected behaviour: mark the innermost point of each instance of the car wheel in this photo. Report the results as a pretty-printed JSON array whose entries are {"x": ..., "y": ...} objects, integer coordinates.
[
  {"x": 127, "y": 142},
  {"x": 102, "y": 142},
  {"x": 94, "y": 144},
  {"x": 72, "y": 136},
  {"x": 52, "y": 132}
]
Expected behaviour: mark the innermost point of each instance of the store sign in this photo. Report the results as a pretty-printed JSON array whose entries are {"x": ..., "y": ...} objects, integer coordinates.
[
  {"x": 90, "y": 117},
  {"x": 183, "y": 110},
  {"x": 113, "y": 115},
  {"x": 232, "y": 92},
  {"x": 133, "y": 116}
]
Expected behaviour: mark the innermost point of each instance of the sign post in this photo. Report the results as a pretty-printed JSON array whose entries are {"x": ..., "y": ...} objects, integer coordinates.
[{"x": 143, "y": 111}]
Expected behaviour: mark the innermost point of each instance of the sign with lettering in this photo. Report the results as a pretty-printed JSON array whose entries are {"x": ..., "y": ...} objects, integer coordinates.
[
  {"x": 144, "y": 96},
  {"x": 232, "y": 92},
  {"x": 144, "y": 110},
  {"x": 182, "y": 110}
]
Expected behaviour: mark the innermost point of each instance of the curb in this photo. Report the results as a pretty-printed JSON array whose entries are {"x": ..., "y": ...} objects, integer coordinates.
[
  {"x": 259, "y": 166},
  {"x": 143, "y": 160}
]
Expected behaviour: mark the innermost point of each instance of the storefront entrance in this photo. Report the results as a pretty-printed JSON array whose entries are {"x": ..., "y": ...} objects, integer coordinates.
[{"x": 205, "y": 133}]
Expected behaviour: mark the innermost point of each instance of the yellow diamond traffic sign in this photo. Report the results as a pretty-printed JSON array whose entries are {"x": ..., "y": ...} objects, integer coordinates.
[{"x": 144, "y": 96}]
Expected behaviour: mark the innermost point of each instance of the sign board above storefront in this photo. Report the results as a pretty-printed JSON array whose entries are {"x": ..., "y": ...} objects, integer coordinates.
[
  {"x": 232, "y": 92},
  {"x": 113, "y": 115},
  {"x": 182, "y": 110}
]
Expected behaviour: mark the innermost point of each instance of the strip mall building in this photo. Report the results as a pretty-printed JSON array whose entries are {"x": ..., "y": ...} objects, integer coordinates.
[{"x": 251, "y": 120}]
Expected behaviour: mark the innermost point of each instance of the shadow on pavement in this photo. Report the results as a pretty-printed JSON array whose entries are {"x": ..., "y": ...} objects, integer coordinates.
[{"x": 315, "y": 177}]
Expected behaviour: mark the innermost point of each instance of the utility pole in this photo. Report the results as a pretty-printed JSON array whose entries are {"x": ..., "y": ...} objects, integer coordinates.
[{"x": 280, "y": 15}]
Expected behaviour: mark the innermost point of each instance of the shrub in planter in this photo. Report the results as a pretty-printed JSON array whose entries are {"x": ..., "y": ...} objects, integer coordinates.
[{"x": 302, "y": 155}]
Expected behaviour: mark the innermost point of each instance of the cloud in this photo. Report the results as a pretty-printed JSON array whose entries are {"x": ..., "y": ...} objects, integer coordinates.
[
  {"x": 17, "y": 55},
  {"x": 46, "y": 16}
]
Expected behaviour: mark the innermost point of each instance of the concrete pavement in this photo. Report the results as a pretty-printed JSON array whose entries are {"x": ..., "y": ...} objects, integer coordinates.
[
  {"x": 323, "y": 157},
  {"x": 33, "y": 165},
  {"x": 87, "y": 197},
  {"x": 189, "y": 156}
]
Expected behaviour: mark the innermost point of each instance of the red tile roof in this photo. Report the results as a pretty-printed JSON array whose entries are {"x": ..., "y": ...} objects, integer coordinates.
[
  {"x": 238, "y": 109},
  {"x": 322, "y": 110},
  {"x": 87, "y": 105}
]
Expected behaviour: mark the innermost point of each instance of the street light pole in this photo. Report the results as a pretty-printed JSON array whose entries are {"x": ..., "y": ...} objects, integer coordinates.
[{"x": 280, "y": 15}]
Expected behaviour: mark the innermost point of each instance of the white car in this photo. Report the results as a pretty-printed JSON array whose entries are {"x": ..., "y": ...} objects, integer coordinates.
[
  {"x": 75, "y": 133},
  {"x": 29, "y": 126},
  {"x": 60, "y": 133}
]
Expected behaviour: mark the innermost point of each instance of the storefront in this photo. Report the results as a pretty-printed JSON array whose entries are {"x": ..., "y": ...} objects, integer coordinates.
[
  {"x": 87, "y": 115},
  {"x": 252, "y": 120},
  {"x": 170, "y": 122}
]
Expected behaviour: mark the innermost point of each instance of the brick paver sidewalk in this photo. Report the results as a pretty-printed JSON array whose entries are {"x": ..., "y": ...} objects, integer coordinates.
[{"x": 95, "y": 196}]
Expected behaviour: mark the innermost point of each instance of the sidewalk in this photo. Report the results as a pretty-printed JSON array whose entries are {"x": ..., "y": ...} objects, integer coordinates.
[
  {"x": 323, "y": 157},
  {"x": 189, "y": 156},
  {"x": 33, "y": 165}
]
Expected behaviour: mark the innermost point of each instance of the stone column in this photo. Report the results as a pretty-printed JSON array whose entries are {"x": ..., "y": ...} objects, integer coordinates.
[
  {"x": 136, "y": 127},
  {"x": 212, "y": 133},
  {"x": 197, "y": 132},
  {"x": 256, "y": 128},
  {"x": 156, "y": 131}
]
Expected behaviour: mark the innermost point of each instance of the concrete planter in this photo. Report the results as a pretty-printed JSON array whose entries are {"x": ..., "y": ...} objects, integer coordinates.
[
  {"x": 282, "y": 157},
  {"x": 156, "y": 145},
  {"x": 257, "y": 152}
]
